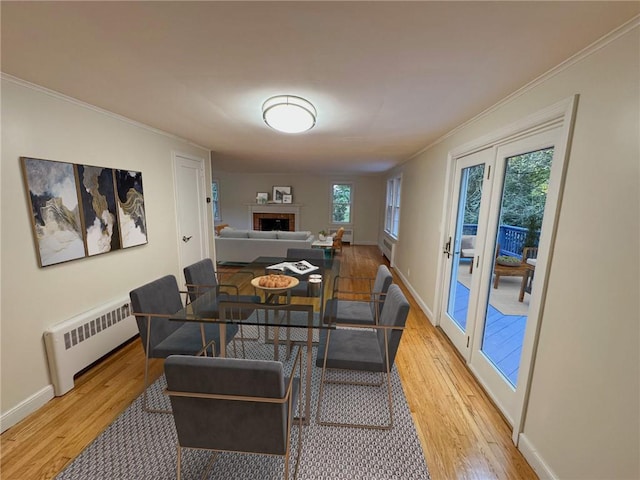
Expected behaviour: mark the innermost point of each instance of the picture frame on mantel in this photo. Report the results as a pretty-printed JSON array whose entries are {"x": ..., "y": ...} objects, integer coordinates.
[
  {"x": 279, "y": 193},
  {"x": 287, "y": 198},
  {"x": 262, "y": 198}
]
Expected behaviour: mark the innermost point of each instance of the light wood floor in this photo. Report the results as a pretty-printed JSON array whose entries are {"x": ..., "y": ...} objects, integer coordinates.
[{"x": 462, "y": 434}]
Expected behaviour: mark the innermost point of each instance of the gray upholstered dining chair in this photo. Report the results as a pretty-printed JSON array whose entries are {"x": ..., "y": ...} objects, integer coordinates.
[
  {"x": 342, "y": 310},
  {"x": 370, "y": 348},
  {"x": 234, "y": 405},
  {"x": 153, "y": 304},
  {"x": 201, "y": 277}
]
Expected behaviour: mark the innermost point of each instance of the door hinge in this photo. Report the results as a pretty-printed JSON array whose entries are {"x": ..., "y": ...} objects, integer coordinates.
[
  {"x": 468, "y": 341},
  {"x": 488, "y": 172}
]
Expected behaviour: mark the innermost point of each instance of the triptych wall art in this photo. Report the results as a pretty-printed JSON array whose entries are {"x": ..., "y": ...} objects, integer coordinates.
[{"x": 81, "y": 210}]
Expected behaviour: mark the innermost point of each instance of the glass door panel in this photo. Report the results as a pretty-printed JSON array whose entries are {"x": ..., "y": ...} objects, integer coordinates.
[
  {"x": 464, "y": 239},
  {"x": 470, "y": 209},
  {"x": 523, "y": 197}
]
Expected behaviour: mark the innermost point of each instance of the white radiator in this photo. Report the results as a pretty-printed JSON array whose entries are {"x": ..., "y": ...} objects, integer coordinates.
[
  {"x": 78, "y": 342},
  {"x": 389, "y": 250},
  {"x": 347, "y": 236}
]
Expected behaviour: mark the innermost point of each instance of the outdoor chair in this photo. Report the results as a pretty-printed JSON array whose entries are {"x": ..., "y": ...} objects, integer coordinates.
[
  {"x": 342, "y": 310},
  {"x": 234, "y": 405},
  {"x": 529, "y": 259},
  {"x": 370, "y": 348},
  {"x": 201, "y": 277},
  {"x": 153, "y": 304},
  {"x": 468, "y": 249}
]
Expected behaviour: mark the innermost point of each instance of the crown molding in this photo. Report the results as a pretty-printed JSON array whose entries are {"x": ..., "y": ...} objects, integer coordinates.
[{"x": 578, "y": 57}]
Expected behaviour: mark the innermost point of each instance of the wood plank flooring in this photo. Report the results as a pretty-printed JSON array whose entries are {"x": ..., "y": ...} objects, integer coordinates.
[{"x": 463, "y": 435}]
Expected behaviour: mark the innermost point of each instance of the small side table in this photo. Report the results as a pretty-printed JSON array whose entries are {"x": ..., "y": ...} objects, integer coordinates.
[{"x": 326, "y": 245}]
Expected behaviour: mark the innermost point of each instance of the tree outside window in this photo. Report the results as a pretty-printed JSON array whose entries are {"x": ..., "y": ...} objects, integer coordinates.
[
  {"x": 215, "y": 195},
  {"x": 341, "y": 202}
]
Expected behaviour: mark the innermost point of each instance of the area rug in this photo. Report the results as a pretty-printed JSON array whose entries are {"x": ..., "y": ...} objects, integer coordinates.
[{"x": 141, "y": 445}]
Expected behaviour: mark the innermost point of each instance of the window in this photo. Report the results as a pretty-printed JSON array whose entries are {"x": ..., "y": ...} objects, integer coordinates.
[
  {"x": 392, "y": 220},
  {"x": 341, "y": 202},
  {"x": 215, "y": 195}
]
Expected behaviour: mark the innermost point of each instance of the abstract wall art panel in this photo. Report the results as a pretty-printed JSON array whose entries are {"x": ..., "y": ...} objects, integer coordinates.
[
  {"x": 131, "y": 214},
  {"x": 99, "y": 209},
  {"x": 55, "y": 213}
]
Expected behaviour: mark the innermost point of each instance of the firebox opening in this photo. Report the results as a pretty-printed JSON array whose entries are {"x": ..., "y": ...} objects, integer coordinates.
[{"x": 268, "y": 224}]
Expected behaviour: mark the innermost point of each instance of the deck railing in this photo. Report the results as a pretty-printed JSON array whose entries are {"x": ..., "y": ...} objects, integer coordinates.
[{"x": 510, "y": 238}]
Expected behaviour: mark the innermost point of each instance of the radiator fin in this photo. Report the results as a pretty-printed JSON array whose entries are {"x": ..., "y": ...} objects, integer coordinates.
[{"x": 92, "y": 327}]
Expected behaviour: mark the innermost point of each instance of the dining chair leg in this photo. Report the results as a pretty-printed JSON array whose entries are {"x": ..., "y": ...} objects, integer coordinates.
[
  {"x": 323, "y": 380},
  {"x": 145, "y": 404}
]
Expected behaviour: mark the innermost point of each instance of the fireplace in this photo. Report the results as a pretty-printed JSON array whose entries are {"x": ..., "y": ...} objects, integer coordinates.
[
  {"x": 288, "y": 214},
  {"x": 274, "y": 221},
  {"x": 267, "y": 224}
]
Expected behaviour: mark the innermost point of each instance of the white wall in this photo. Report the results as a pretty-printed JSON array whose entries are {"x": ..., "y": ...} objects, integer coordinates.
[
  {"x": 312, "y": 192},
  {"x": 583, "y": 416},
  {"x": 42, "y": 125}
]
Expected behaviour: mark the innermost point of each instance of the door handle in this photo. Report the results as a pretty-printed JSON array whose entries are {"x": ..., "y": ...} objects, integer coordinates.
[
  {"x": 447, "y": 248},
  {"x": 185, "y": 239}
]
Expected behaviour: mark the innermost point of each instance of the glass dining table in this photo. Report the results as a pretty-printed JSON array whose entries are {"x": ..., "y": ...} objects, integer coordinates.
[{"x": 300, "y": 307}]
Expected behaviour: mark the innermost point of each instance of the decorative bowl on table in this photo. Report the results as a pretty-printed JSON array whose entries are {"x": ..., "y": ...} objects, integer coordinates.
[{"x": 274, "y": 283}]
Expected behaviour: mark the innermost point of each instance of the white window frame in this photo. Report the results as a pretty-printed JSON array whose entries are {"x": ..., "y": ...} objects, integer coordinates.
[
  {"x": 331, "y": 203},
  {"x": 215, "y": 202},
  {"x": 392, "y": 210}
]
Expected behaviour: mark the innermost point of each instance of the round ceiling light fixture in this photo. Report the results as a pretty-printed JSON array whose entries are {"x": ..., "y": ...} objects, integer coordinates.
[{"x": 289, "y": 114}]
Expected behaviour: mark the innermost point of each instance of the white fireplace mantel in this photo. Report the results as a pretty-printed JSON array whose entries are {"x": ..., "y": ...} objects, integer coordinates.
[{"x": 293, "y": 208}]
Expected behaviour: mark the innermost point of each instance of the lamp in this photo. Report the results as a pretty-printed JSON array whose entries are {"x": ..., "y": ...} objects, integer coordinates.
[{"x": 289, "y": 114}]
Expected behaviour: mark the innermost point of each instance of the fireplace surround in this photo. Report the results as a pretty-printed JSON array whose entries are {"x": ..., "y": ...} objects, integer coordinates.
[{"x": 274, "y": 217}]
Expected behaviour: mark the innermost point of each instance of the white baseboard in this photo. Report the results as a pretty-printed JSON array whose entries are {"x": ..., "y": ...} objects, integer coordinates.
[
  {"x": 25, "y": 408},
  {"x": 423, "y": 306},
  {"x": 537, "y": 463}
]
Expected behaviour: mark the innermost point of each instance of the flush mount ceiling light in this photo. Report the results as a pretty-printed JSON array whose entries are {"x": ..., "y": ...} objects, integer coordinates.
[{"x": 289, "y": 114}]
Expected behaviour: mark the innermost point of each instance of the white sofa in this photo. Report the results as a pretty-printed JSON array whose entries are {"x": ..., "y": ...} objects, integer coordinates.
[{"x": 244, "y": 246}]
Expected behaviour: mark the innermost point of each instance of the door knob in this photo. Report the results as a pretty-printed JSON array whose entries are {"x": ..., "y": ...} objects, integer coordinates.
[{"x": 185, "y": 239}]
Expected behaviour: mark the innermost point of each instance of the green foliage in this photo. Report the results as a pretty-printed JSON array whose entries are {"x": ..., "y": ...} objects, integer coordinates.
[
  {"x": 341, "y": 200},
  {"x": 216, "y": 201},
  {"x": 533, "y": 226},
  {"x": 525, "y": 190},
  {"x": 474, "y": 178}
]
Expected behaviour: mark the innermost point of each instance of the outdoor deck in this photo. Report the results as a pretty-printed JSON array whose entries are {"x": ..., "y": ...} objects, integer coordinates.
[{"x": 503, "y": 336}]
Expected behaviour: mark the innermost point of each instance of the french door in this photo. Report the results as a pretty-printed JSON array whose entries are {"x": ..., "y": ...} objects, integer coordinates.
[
  {"x": 467, "y": 222},
  {"x": 499, "y": 196}
]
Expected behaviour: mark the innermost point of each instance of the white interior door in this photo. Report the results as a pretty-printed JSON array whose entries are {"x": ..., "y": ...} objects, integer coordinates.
[{"x": 191, "y": 209}]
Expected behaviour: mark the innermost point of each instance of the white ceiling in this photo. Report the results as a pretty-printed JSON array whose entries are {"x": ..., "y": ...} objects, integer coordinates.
[{"x": 387, "y": 78}]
